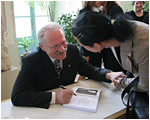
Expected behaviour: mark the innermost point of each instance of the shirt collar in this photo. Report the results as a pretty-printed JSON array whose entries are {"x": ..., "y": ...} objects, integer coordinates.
[
  {"x": 52, "y": 59},
  {"x": 95, "y": 9}
]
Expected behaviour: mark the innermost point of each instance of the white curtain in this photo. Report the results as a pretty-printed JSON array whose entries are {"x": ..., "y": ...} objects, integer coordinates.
[{"x": 5, "y": 60}]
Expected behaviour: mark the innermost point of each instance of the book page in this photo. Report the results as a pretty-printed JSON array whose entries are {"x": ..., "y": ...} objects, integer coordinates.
[
  {"x": 83, "y": 101},
  {"x": 86, "y": 99}
]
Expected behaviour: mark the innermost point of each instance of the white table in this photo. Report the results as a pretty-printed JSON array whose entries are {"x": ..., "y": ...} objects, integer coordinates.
[{"x": 110, "y": 106}]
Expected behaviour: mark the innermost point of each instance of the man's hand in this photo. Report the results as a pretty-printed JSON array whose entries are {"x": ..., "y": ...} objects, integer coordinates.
[
  {"x": 63, "y": 96},
  {"x": 115, "y": 76}
]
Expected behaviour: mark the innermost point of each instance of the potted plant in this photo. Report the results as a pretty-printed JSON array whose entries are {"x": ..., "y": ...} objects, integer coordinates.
[
  {"x": 66, "y": 21},
  {"x": 24, "y": 44}
]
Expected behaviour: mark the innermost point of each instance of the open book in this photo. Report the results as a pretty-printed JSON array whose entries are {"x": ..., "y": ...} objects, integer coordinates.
[{"x": 86, "y": 99}]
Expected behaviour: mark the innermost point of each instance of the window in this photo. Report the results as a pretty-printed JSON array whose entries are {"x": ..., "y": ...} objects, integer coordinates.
[{"x": 27, "y": 21}]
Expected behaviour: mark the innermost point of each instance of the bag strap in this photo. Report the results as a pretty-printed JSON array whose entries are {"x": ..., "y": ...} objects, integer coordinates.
[{"x": 128, "y": 90}]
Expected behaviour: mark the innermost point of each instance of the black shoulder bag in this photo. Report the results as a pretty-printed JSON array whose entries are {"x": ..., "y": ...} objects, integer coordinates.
[{"x": 139, "y": 101}]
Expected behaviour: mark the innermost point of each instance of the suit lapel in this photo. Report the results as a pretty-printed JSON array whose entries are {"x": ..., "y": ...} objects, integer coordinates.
[
  {"x": 48, "y": 66},
  {"x": 66, "y": 62},
  {"x": 66, "y": 65}
]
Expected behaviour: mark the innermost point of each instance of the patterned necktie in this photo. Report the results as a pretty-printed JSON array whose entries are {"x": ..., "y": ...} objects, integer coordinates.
[{"x": 57, "y": 68}]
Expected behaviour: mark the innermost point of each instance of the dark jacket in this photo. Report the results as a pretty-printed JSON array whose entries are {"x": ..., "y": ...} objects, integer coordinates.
[
  {"x": 38, "y": 75},
  {"x": 144, "y": 18}
]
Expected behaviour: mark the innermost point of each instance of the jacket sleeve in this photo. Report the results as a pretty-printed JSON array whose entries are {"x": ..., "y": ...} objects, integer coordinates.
[
  {"x": 24, "y": 93},
  {"x": 95, "y": 73}
]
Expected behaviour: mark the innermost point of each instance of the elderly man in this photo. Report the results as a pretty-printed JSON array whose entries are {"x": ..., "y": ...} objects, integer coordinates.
[{"x": 40, "y": 71}]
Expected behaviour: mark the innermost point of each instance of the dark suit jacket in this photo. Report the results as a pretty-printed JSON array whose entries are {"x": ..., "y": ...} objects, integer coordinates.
[{"x": 38, "y": 75}]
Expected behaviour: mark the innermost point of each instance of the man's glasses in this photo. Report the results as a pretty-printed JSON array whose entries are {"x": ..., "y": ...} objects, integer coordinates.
[{"x": 56, "y": 47}]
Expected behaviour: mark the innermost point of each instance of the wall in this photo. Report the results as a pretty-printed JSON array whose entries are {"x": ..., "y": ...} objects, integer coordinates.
[
  {"x": 125, "y": 5},
  {"x": 66, "y": 7},
  {"x": 7, "y": 81}
]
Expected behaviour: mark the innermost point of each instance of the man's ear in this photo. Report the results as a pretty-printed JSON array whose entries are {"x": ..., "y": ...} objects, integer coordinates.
[{"x": 41, "y": 46}]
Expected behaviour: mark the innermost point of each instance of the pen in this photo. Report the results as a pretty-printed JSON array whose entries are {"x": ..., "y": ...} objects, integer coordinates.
[{"x": 66, "y": 88}]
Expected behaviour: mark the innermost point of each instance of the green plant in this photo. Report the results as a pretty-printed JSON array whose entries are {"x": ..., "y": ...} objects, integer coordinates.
[
  {"x": 66, "y": 21},
  {"x": 25, "y": 43},
  {"x": 146, "y": 6}
]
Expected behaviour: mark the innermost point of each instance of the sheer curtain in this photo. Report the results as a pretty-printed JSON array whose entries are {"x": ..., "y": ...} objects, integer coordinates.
[{"x": 5, "y": 60}]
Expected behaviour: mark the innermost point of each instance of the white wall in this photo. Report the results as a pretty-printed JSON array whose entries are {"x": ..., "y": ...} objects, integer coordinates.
[
  {"x": 125, "y": 5},
  {"x": 66, "y": 7},
  {"x": 7, "y": 81}
]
